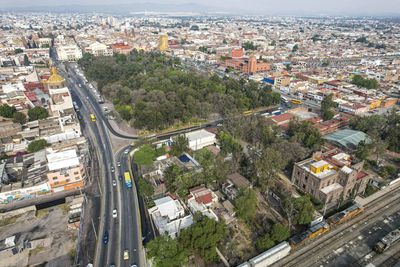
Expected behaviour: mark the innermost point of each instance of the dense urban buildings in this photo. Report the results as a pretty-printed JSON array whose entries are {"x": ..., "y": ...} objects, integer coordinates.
[{"x": 198, "y": 140}]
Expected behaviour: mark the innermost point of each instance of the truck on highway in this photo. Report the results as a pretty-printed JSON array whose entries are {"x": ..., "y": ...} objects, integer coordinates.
[
  {"x": 387, "y": 241},
  {"x": 128, "y": 180},
  {"x": 92, "y": 117}
]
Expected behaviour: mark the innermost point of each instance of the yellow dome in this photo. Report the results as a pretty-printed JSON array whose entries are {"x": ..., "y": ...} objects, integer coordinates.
[{"x": 55, "y": 78}]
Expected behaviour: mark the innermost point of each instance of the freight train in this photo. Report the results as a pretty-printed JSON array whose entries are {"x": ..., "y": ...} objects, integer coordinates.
[
  {"x": 323, "y": 227},
  {"x": 387, "y": 241}
]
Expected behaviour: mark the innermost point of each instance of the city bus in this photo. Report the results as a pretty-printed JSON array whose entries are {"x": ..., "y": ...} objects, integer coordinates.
[
  {"x": 296, "y": 101},
  {"x": 128, "y": 180},
  {"x": 92, "y": 117},
  {"x": 247, "y": 113}
]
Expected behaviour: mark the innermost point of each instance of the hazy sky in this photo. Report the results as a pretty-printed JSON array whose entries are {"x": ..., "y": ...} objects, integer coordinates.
[{"x": 316, "y": 7}]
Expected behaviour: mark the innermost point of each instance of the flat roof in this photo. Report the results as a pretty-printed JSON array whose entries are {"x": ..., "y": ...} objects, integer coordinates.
[
  {"x": 331, "y": 188},
  {"x": 63, "y": 159},
  {"x": 198, "y": 135}
]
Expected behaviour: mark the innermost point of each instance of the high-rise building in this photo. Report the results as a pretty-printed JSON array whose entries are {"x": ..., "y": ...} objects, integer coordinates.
[{"x": 163, "y": 42}]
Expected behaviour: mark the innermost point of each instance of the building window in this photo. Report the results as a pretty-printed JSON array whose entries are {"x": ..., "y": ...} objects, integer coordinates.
[
  {"x": 55, "y": 178},
  {"x": 77, "y": 178},
  {"x": 68, "y": 180},
  {"x": 304, "y": 186},
  {"x": 76, "y": 173},
  {"x": 66, "y": 175}
]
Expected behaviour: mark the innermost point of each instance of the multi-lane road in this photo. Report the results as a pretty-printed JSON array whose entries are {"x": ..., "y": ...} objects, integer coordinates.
[{"x": 124, "y": 232}]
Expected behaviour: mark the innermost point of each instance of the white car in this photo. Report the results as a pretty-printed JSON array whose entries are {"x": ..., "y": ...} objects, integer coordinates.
[
  {"x": 118, "y": 164},
  {"x": 114, "y": 183},
  {"x": 115, "y": 214},
  {"x": 126, "y": 151}
]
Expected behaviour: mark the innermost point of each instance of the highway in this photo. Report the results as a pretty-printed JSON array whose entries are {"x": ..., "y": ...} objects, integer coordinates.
[
  {"x": 350, "y": 244},
  {"x": 124, "y": 231}
]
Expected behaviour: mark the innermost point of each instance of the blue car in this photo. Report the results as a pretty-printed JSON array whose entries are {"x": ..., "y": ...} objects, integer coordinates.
[{"x": 105, "y": 238}]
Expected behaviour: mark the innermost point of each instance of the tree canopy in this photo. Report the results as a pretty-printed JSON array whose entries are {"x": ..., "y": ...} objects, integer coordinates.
[
  {"x": 364, "y": 82},
  {"x": 246, "y": 204},
  {"x": 327, "y": 106},
  {"x": 19, "y": 117},
  {"x": 157, "y": 91},
  {"x": 7, "y": 111},
  {"x": 37, "y": 113},
  {"x": 203, "y": 237},
  {"x": 167, "y": 252},
  {"x": 37, "y": 145},
  {"x": 305, "y": 133},
  {"x": 179, "y": 145}
]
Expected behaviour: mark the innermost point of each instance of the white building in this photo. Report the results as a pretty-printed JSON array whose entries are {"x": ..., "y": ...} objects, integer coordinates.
[
  {"x": 169, "y": 216},
  {"x": 199, "y": 139},
  {"x": 98, "y": 49},
  {"x": 69, "y": 52}
]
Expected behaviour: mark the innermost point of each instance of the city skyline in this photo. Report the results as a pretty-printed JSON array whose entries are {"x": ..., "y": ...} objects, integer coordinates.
[{"x": 284, "y": 7}]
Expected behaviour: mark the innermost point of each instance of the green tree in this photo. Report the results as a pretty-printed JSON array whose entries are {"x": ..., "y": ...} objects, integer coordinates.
[
  {"x": 145, "y": 155},
  {"x": 305, "y": 210},
  {"x": 37, "y": 145},
  {"x": 264, "y": 243},
  {"x": 19, "y": 117},
  {"x": 37, "y": 113},
  {"x": 203, "y": 237},
  {"x": 179, "y": 145},
  {"x": 362, "y": 151},
  {"x": 363, "y": 82},
  {"x": 327, "y": 106},
  {"x": 249, "y": 46},
  {"x": 246, "y": 204},
  {"x": 305, "y": 133},
  {"x": 26, "y": 60},
  {"x": 145, "y": 189},
  {"x": 167, "y": 252},
  {"x": 295, "y": 48},
  {"x": 280, "y": 232},
  {"x": 228, "y": 144},
  {"x": 267, "y": 167},
  {"x": 18, "y": 51},
  {"x": 7, "y": 111}
]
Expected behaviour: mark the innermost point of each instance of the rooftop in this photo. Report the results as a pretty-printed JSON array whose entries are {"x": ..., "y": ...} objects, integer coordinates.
[
  {"x": 192, "y": 136},
  {"x": 331, "y": 188},
  {"x": 347, "y": 138}
]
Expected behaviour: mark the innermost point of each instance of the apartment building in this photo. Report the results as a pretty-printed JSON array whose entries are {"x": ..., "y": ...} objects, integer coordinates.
[
  {"x": 330, "y": 177},
  {"x": 65, "y": 170}
]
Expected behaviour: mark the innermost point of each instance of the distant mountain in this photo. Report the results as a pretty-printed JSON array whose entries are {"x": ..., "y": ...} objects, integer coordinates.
[{"x": 120, "y": 8}]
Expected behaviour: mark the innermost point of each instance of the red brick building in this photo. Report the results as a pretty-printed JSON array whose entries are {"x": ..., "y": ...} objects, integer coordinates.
[{"x": 247, "y": 65}]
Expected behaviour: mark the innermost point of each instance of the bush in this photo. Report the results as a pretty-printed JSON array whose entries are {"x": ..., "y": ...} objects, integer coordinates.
[{"x": 37, "y": 145}]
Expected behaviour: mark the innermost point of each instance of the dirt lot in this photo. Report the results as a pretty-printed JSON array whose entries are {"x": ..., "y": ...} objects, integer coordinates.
[{"x": 52, "y": 241}]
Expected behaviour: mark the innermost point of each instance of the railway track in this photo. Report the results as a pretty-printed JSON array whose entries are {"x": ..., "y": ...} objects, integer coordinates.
[{"x": 372, "y": 210}]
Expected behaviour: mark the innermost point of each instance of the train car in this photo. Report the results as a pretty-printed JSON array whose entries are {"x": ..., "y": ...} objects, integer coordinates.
[
  {"x": 299, "y": 239},
  {"x": 387, "y": 241},
  {"x": 314, "y": 231},
  {"x": 345, "y": 215},
  {"x": 271, "y": 256},
  {"x": 318, "y": 229}
]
